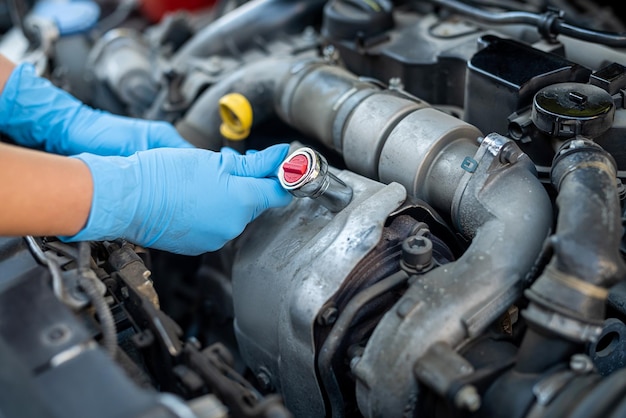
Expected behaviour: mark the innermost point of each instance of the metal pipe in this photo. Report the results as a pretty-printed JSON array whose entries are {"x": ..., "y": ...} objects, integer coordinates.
[
  {"x": 500, "y": 199},
  {"x": 382, "y": 134},
  {"x": 258, "y": 18}
]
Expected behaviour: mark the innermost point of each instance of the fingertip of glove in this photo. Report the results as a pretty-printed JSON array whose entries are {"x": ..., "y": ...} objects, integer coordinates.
[
  {"x": 277, "y": 196},
  {"x": 259, "y": 164},
  {"x": 281, "y": 150},
  {"x": 270, "y": 158}
]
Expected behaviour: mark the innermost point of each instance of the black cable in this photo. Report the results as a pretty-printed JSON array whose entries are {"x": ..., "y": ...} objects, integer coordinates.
[
  {"x": 550, "y": 23},
  {"x": 617, "y": 40},
  {"x": 88, "y": 285}
]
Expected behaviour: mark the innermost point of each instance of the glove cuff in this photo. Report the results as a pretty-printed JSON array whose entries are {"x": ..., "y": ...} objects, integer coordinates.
[{"x": 116, "y": 186}]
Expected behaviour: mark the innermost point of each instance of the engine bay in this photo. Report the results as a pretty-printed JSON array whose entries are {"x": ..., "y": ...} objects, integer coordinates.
[{"x": 458, "y": 252}]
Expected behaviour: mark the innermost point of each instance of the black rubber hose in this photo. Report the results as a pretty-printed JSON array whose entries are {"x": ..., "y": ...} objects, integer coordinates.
[
  {"x": 553, "y": 351},
  {"x": 589, "y": 225},
  {"x": 586, "y": 260},
  {"x": 617, "y": 40},
  {"x": 549, "y": 23}
]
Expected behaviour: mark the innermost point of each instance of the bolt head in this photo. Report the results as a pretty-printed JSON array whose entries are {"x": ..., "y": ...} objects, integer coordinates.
[
  {"x": 417, "y": 252},
  {"x": 328, "y": 316},
  {"x": 264, "y": 380},
  {"x": 581, "y": 363},
  {"x": 468, "y": 398}
]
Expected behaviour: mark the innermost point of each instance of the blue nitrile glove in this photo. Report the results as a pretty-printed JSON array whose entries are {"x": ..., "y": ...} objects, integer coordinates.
[
  {"x": 37, "y": 114},
  {"x": 186, "y": 201}
]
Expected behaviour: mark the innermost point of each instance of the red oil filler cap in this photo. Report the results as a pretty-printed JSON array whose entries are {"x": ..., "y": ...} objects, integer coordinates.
[
  {"x": 305, "y": 173},
  {"x": 296, "y": 168}
]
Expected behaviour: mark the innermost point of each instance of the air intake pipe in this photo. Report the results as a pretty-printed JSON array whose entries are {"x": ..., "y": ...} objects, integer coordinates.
[
  {"x": 382, "y": 134},
  {"x": 258, "y": 18}
]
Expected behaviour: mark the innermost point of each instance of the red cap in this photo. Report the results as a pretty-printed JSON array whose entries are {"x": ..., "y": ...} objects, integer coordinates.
[{"x": 295, "y": 168}]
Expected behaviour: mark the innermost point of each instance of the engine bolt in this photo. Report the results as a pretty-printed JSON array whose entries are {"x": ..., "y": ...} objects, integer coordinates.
[
  {"x": 467, "y": 398},
  {"x": 417, "y": 253},
  {"x": 395, "y": 83},
  {"x": 581, "y": 363},
  {"x": 328, "y": 316},
  {"x": 265, "y": 382}
]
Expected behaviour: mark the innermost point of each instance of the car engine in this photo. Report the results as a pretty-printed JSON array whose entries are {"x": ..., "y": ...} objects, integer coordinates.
[{"x": 454, "y": 247}]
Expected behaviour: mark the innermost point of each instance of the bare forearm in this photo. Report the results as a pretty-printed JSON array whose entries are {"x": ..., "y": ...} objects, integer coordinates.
[
  {"x": 42, "y": 194},
  {"x": 6, "y": 67}
]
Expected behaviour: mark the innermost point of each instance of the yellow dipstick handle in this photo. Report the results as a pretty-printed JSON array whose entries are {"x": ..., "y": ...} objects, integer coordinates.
[{"x": 236, "y": 114}]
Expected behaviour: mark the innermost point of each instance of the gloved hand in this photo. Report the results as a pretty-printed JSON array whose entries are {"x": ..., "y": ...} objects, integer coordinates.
[
  {"x": 37, "y": 114},
  {"x": 186, "y": 201}
]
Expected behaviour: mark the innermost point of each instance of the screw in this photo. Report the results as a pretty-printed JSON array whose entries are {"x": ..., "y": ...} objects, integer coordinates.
[
  {"x": 467, "y": 398},
  {"x": 417, "y": 252},
  {"x": 330, "y": 54},
  {"x": 263, "y": 377},
  {"x": 581, "y": 363},
  {"x": 508, "y": 154},
  {"x": 395, "y": 83},
  {"x": 328, "y": 316}
]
